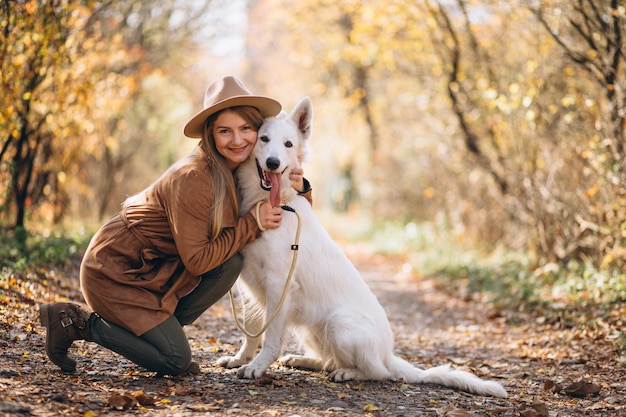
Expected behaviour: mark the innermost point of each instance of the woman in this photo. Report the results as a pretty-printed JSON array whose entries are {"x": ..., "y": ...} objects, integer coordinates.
[{"x": 173, "y": 249}]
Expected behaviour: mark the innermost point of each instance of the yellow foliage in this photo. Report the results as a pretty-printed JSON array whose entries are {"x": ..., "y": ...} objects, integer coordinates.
[{"x": 591, "y": 192}]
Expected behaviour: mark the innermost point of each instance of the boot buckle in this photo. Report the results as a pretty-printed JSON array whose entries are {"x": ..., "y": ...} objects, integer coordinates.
[{"x": 68, "y": 323}]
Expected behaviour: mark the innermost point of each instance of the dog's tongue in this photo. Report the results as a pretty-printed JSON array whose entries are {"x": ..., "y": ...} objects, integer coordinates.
[{"x": 274, "y": 178}]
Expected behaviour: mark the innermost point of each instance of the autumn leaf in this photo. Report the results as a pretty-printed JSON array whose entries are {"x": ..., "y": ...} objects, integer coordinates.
[
  {"x": 551, "y": 386},
  {"x": 540, "y": 408},
  {"x": 582, "y": 389},
  {"x": 121, "y": 402},
  {"x": 144, "y": 399},
  {"x": 370, "y": 407}
]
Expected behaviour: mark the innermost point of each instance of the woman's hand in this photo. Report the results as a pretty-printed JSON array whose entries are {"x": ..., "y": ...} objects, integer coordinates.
[
  {"x": 267, "y": 217},
  {"x": 296, "y": 176}
]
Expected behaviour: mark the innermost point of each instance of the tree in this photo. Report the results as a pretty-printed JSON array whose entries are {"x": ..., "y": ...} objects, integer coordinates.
[
  {"x": 37, "y": 41},
  {"x": 537, "y": 128},
  {"x": 71, "y": 69},
  {"x": 590, "y": 35},
  {"x": 486, "y": 112}
]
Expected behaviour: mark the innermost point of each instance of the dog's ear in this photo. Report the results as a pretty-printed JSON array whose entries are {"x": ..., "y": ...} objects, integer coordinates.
[{"x": 302, "y": 116}]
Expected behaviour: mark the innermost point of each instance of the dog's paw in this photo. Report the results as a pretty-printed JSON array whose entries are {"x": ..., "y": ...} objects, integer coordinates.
[
  {"x": 230, "y": 362},
  {"x": 301, "y": 362},
  {"x": 346, "y": 374},
  {"x": 249, "y": 372}
]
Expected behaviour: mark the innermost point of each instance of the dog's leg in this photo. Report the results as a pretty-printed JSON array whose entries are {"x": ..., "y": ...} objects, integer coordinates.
[
  {"x": 358, "y": 352},
  {"x": 272, "y": 339},
  {"x": 245, "y": 354}
]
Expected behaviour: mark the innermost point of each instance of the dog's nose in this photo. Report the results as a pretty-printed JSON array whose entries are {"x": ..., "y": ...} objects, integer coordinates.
[{"x": 272, "y": 163}]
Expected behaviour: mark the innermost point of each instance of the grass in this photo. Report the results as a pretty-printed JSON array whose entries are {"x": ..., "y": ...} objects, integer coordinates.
[
  {"x": 20, "y": 249},
  {"x": 506, "y": 279}
]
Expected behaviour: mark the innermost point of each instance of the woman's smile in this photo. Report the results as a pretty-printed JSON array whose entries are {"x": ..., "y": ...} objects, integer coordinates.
[{"x": 234, "y": 137}]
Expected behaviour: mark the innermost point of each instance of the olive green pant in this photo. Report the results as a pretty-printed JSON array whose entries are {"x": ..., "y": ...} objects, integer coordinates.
[{"x": 165, "y": 349}]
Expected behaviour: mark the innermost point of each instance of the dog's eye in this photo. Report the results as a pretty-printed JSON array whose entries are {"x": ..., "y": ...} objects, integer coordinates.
[
  {"x": 265, "y": 139},
  {"x": 288, "y": 144}
]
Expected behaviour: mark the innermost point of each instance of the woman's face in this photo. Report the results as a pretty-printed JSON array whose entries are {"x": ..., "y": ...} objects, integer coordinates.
[{"x": 234, "y": 137}]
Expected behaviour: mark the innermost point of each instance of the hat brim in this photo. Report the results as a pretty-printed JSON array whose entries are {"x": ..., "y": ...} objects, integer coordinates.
[{"x": 268, "y": 107}]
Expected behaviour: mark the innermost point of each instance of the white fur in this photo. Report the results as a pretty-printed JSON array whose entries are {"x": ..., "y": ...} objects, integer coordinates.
[{"x": 337, "y": 319}]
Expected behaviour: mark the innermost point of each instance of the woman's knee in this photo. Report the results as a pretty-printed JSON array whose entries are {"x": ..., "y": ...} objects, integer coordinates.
[
  {"x": 175, "y": 364},
  {"x": 172, "y": 353}
]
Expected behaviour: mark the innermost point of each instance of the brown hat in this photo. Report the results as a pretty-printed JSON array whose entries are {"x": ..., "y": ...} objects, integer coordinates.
[{"x": 224, "y": 93}]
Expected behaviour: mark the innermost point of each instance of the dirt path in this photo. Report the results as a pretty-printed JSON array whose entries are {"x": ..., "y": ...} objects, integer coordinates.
[{"x": 431, "y": 328}]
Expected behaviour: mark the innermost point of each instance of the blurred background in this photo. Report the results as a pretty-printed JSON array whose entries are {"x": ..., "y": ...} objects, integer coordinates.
[{"x": 492, "y": 126}]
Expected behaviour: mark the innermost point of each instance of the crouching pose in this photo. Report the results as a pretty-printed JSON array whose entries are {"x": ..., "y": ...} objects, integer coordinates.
[{"x": 173, "y": 249}]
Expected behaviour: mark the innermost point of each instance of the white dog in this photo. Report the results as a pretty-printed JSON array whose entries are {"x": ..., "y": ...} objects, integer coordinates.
[{"x": 338, "y": 321}]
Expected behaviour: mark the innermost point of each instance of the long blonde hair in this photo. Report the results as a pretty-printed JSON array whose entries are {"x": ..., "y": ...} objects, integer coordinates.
[{"x": 224, "y": 188}]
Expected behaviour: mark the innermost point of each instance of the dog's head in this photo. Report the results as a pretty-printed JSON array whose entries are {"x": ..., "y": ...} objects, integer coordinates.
[{"x": 282, "y": 145}]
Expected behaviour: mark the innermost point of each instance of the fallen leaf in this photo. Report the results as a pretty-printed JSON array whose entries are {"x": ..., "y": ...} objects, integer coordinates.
[
  {"x": 144, "y": 399},
  {"x": 540, "y": 408},
  {"x": 121, "y": 402},
  {"x": 582, "y": 389},
  {"x": 370, "y": 407},
  {"x": 551, "y": 386}
]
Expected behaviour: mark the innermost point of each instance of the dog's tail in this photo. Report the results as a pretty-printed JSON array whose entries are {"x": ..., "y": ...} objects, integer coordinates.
[{"x": 444, "y": 375}]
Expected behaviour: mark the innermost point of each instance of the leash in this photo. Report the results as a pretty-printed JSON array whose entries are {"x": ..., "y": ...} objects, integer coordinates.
[{"x": 294, "y": 248}]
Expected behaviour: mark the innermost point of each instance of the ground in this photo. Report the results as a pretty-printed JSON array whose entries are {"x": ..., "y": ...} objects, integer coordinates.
[{"x": 549, "y": 369}]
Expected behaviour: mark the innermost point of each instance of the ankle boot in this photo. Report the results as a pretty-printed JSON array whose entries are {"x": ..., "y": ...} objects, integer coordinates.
[{"x": 64, "y": 323}]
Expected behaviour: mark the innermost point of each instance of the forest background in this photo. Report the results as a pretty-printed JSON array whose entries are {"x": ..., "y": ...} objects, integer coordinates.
[{"x": 482, "y": 140}]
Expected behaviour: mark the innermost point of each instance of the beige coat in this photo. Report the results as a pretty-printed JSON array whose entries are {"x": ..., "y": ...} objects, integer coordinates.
[{"x": 152, "y": 253}]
